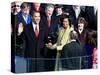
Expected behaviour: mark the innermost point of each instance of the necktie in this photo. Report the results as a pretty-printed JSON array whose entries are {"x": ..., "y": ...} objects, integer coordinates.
[
  {"x": 36, "y": 31},
  {"x": 49, "y": 22}
]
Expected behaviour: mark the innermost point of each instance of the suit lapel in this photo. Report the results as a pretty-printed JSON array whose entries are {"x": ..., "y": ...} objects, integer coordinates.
[
  {"x": 23, "y": 20},
  {"x": 32, "y": 33},
  {"x": 51, "y": 22},
  {"x": 40, "y": 31}
]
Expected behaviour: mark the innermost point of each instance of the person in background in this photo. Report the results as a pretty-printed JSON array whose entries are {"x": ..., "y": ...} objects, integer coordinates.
[
  {"x": 24, "y": 18},
  {"x": 50, "y": 25},
  {"x": 82, "y": 33},
  {"x": 82, "y": 30},
  {"x": 15, "y": 9},
  {"x": 95, "y": 53},
  {"x": 75, "y": 12},
  {"x": 50, "y": 21},
  {"x": 90, "y": 47},
  {"x": 37, "y": 7},
  {"x": 87, "y": 42},
  {"x": 95, "y": 58},
  {"x": 91, "y": 17},
  {"x": 58, "y": 11}
]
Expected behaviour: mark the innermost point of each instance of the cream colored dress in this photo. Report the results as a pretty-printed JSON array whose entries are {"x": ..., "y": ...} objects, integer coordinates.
[{"x": 63, "y": 38}]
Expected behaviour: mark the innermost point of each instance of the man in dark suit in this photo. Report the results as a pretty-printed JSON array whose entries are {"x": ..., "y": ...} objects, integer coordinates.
[
  {"x": 24, "y": 16},
  {"x": 71, "y": 53},
  {"x": 50, "y": 25},
  {"x": 50, "y": 21},
  {"x": 91, "y": 17},
  {"x": 34, "y": 38}
]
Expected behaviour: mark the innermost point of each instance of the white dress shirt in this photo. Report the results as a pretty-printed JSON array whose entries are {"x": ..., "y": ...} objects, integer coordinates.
[
  {"x": 25, "y": 18},
  {"x": 77, "y": 12}
]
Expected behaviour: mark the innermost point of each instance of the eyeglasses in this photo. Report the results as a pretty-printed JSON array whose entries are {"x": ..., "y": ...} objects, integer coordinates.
[{"x": 15, "y": 6}]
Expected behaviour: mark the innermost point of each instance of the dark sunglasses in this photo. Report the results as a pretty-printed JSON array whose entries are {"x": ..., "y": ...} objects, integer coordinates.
[{"x": 15, "y": 6}]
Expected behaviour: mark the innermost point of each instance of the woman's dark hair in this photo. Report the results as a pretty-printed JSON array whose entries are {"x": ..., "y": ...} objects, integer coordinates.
[
  {"x": 63, "y": 16},
  {"x": 91, "y": 38},
  {"x": 82, "y": 20}
]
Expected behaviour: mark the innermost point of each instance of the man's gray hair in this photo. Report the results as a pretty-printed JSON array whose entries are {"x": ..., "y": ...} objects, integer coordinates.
[{"x": 49, "y": 6}]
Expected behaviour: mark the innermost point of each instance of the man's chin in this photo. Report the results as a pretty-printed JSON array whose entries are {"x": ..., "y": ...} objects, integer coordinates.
[{"x": 37, "y": 22}]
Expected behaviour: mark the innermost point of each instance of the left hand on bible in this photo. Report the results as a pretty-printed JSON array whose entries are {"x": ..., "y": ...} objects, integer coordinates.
[{"x": 49, "y": 45}]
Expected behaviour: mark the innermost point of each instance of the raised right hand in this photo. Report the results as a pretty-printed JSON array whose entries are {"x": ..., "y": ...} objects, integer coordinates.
[{"x": 20, "y": 28}]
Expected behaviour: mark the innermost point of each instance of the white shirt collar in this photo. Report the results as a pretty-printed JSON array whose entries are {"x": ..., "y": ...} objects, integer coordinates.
[
  {"x": 73, "y": 40},
  {"x": 80, "y": 30}
]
